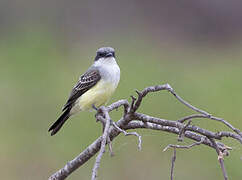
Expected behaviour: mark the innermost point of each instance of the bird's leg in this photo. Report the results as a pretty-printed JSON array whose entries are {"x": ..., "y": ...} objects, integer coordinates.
[
  {"x": 94, "y": 107},
  {"x": 98, "y": 111}
]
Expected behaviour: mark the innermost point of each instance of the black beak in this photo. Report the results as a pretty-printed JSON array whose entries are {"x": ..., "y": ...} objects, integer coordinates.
[{"x": 109, "y": 55}]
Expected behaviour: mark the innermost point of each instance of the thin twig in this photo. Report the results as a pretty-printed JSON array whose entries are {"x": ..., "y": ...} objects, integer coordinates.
[
  {"x": 193, "y": 116},
  {"x": 171, "y": 90},
  {"x": 132, "y": 102},
  {"x": 184, "y": 147},
  {"x": 220, "y": 158},
  {"x": 188, "y": 134},
  {"x": 103, "y": 143},
  {"x": 130, "y": 133},
  {"x": 110, "y": 147},
  {"x": 173, "y": 159},
  {"x": 164, "y": 122},
  {"x": 116, "y": 105},
  {"x": 182, "y": 131}
]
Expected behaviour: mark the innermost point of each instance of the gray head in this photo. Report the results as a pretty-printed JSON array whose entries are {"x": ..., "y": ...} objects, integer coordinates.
[{"x": 105, "y": 52}]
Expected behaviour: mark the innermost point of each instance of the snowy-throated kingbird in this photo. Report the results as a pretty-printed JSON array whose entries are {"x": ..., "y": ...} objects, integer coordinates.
[{"x": 94, "y": 87}]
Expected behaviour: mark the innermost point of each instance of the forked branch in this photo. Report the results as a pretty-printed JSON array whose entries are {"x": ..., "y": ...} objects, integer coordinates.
[{"x": 131, "y": 119}]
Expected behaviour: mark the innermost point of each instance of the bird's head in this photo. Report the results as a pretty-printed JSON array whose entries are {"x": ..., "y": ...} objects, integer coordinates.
[{"x": 105, "y": 53}]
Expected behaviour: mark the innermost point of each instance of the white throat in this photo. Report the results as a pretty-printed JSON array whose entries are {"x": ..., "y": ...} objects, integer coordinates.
[
  {"x": 109, "y": 69},
  {"x": 105, "y": 61}
]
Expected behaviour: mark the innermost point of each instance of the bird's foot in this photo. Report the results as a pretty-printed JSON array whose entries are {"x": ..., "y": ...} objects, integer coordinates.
[{"x": 98, "y": 112}]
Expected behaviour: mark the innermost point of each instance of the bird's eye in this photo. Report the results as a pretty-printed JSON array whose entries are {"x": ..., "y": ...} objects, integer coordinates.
[{"x": 101, "y": 54}]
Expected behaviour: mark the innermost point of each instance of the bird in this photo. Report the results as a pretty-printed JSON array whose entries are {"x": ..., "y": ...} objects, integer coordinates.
[{"x": 93, "y": 89}]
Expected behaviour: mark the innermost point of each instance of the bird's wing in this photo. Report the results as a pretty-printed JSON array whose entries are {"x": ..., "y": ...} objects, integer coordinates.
[{"x": 86, "y": 81}]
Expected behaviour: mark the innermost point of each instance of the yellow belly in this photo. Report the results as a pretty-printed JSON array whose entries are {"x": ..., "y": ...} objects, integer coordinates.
[{"x": 97, "y": 95}]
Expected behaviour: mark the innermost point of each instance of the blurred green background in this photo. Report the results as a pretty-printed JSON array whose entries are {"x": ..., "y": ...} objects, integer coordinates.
[{"x": 46, "y": 45}]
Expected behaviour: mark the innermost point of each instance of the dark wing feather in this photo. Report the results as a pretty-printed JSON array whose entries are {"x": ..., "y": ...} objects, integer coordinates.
[{"x": 86, "y": 81}]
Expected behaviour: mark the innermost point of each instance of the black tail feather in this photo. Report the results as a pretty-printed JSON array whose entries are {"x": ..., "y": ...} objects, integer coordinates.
[{"x": 59, "y": 123}]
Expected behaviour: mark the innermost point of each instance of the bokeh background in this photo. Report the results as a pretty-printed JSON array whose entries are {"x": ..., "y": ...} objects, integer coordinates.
[{"x": 46, "y": 45}]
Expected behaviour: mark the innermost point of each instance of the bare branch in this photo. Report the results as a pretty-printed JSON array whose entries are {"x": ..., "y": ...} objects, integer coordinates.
[
  {"x": 182, "y": 131},
  {"x": 133, "y": 120},
  {"x": 72, "y": 165},
  {"x": 184, "y": 147},
  {"x": 117, "y": 104},
  {"x": 203, "y": 114},
  {"x": 173, "y": 159},
  {"x": 147, "y": 90},
  {"x": 105, "y": 136},
  {"x": 188, "y": 134},
  {"x": 220, "y": 158},
  {"x": 164, "y": 122},
  {"x": 171, "y": 90},
  {"x": 193, "y": 116},
  {"x": 133, "y": 102},
  {"x": 110, "y": 146}
]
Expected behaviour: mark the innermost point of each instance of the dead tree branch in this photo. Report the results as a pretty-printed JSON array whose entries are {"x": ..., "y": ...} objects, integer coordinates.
[
  {"x": 131, "y": 119},
  {"x": 105, "y": 136}
]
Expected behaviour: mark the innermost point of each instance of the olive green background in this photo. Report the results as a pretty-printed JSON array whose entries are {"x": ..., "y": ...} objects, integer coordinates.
[{"x": 41, "y": 60}]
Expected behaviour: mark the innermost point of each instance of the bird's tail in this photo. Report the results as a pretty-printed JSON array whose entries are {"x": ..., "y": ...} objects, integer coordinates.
[{"x": 59, "y": 123}]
